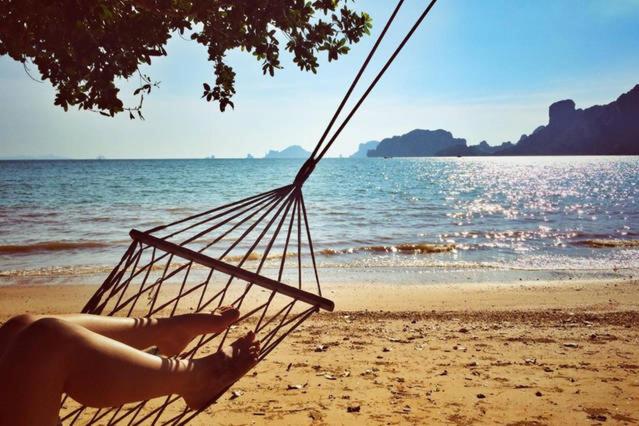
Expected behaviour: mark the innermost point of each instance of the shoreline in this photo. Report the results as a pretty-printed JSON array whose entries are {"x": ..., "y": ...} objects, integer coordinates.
[{"x": 380, "y": 276}]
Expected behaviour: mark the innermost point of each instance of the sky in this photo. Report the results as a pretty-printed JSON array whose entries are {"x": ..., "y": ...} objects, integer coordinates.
[{"x": 484, "y": 70}]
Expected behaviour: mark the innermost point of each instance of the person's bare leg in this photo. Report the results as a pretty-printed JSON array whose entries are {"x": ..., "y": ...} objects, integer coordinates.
[
  {"x": 9, "y": 329},
  {"x": 52, "y": 356},
  {"x": 169, "y": 335}
]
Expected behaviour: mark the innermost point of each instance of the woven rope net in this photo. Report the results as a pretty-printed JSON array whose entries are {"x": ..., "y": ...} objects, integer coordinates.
[
  {"x": 239, "y": 255},
  {"x": 255, "y": 254}
]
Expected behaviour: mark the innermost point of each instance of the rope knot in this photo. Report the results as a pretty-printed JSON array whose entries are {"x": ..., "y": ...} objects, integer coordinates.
[{"x": 305, "y": 171}]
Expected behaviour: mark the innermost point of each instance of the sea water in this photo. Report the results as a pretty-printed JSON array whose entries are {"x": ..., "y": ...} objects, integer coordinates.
[{"x": 373, "y": 220}]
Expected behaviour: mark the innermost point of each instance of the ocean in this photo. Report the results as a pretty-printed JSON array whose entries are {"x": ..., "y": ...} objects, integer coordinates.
[{"x": 421, "y": 220}]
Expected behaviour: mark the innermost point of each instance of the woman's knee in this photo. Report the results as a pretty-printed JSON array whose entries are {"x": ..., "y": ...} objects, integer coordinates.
[
  {"x": 47, "y": 328},
  {"x": 19, "y": 323},
  {"x": 51, "y": 335}
]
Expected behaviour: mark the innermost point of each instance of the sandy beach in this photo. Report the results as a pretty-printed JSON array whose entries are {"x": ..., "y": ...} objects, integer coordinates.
[{"x": 520, "y": 354}]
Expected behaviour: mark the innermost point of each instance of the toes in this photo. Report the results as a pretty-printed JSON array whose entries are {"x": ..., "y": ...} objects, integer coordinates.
[
  {"x": 254, "y": 349},
  {"x": 228, "y": 313},
  {"x": 231, "y": 314},
  {"x": 244, "y": 342},
  {"x": 249, "y": 337},
  {"x": 248, "y": 340},
  {"x": 253, "y": 354},
  {"x": 223, "y": 309}
]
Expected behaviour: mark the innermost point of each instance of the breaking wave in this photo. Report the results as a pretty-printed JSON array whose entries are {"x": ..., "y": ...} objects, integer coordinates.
[
  {"x": 255, "y": 256},
  {"x": 407, "y": 248},
  {"x": 50, "y": 246},
  {"x": 604, "y": 243},
  {"x": 57, "y": 271}
]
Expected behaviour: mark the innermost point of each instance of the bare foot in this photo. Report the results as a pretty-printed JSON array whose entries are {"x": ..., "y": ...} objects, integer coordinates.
[
  {"x": 215, "y": 373},
  {"x": 182, "y": 329}
]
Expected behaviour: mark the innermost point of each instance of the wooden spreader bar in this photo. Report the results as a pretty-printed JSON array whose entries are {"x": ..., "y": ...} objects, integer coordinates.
[{"x": 251, "y": 277}]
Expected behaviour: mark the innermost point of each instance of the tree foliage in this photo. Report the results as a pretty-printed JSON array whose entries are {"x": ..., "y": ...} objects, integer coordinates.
[{"x": 84, "y": 47}]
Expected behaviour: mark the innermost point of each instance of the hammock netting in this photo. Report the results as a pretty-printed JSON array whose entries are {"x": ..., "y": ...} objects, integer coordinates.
[
  {"x": 255, "y": 254},
  {"x": 232, "y": 255}
]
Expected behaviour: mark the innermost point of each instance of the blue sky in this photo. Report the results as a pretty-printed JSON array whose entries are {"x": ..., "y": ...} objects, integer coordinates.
[{"x": 481, "y": 69}]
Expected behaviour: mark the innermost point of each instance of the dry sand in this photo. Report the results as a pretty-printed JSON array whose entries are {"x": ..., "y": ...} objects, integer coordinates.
[{"x": 520, "y": 354}]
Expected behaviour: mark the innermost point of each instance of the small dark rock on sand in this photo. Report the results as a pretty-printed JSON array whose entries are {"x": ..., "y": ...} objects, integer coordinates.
[{"x": 598, "y": 417}]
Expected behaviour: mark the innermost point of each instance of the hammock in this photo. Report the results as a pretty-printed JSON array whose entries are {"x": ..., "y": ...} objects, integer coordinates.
[{"x": 239, "y": 254}]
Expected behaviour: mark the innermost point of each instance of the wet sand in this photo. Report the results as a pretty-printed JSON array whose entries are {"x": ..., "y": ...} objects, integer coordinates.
[{"x": 520, "y": 354}]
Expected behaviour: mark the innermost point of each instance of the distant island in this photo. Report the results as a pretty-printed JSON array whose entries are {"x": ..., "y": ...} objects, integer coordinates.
[
  {"x": 363, "y": 149},
  {"x": 32, "y": 157},
  {"x": 611, "y": 129},
  {"x": 417, "y": 143},
  {"x": 293, "y": 151}
]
